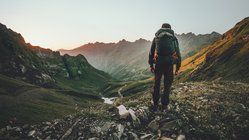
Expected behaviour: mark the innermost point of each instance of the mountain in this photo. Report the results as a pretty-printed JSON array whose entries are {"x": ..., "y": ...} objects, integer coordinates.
[
  {"x": 70, "y": 69},
  {"x": 39, "y": 84},
  {"x": 126, "y": 60},
  {"x": 19, "y": 61},
  {"x": 227, "y": 58},
  {"x": 197, "y": 110},
  {"x": 41, "y": 66},
  {"x": 123, "y": 60},
  {"x": 191, "y": 43}
]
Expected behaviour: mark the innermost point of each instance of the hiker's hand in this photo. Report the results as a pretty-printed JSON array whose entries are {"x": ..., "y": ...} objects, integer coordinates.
[
  {"x": 152, "y": 69},
  {"x": 176, "y": 72}
]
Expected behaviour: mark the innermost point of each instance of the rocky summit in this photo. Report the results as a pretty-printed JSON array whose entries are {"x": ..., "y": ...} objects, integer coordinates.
[{"x": 198, "y": 110}]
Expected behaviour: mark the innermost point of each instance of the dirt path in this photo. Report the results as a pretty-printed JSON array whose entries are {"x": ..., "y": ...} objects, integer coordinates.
[{"x": 119, "y": 91}]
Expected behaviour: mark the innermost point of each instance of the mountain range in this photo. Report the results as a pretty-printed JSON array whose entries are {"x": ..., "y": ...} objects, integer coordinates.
[
  {"x": 64, "y": 92},
  {"x": 127, "y": 60}
]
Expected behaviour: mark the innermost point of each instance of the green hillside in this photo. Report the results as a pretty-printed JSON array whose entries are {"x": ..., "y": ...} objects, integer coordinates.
[
  {"x": 29, "y": 103},
  {"x": 39, "y": 84}
]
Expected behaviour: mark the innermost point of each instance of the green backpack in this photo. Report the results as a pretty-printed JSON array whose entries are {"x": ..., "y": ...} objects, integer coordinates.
[{"x": 165, "y": 44}]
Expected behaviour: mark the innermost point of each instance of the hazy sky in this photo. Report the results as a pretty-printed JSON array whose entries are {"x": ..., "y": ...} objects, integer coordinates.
[{"x": 68, "y": 24}]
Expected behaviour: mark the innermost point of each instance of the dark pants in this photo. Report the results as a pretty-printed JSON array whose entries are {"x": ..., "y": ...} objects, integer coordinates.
[{"x": 161, "y": 69}]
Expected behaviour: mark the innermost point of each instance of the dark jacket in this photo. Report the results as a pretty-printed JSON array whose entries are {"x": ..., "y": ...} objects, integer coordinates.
[{"x": 169, "y": 32}]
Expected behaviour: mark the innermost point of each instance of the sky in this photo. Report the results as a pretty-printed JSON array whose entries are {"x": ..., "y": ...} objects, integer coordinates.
[{"x": 68, "y": 24}]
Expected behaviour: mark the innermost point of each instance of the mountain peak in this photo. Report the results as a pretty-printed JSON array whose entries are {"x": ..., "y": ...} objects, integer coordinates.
[
  {"x": 123, "y": 41},
  {"x": 141, "y": 40},
  {"x": 216, "y": 33},
  {"x": 2, "y": 26}
]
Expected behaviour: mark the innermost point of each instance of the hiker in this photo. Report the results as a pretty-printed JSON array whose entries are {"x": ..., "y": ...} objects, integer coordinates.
[{"x": 164, "y": 53}]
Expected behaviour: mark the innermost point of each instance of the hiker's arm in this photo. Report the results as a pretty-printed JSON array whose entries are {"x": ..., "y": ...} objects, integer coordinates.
[
  {"x": 152, "y": 51},
  {"x": 178, "y": 65}
]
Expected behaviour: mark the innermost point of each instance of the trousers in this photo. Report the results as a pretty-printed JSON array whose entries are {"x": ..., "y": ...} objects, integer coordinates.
[{"x": 163, "y": 69}]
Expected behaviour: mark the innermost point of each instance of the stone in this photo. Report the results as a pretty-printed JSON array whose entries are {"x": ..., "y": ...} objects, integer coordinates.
[
  {"x": 153, "y": 125},
  {"x": 120, "y": 130},
  {"x": 142, "y": 113},
  {"x": 48, "y": 123},
  {"x": 115, "y": 136},
  {"x": 31, "y": 133},
  {"x": 25, "y": 126},
  {"x": 168, "y": 126},
  {"x": 48, "y": 138},
  {"x": 56, "y": 122},
  {"x": 18, "y": 129},
  {"x": 45, "y": 128},
  {"x": 95, "y": 130},
  {"x": 93, "y": 138},
  {"x": 146, "y": 136},
  {"x": 181, "y": 137},
  {"x": 38, "y": 138},
  {"x": 133, "y": 136},
  {"x": 166, "y": 138},
  {"x": 173, "y": 136},
  {"x": 8, "y": 127},
  {"x": 3, "y": 129},
  {"x": 133, "y": 115},
  {"x": 181, "y": 83},
  {"x": 123, "y": 112},
  {"x": 106, "y": 126},
  {"x": 81, "y": 138}
]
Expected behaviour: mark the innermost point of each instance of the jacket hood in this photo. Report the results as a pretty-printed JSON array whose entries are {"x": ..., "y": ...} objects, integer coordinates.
[{"x": 167, "y": 31}]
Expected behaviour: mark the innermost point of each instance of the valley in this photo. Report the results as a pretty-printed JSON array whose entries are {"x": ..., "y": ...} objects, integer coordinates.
[{"x": 47, "y": 94}]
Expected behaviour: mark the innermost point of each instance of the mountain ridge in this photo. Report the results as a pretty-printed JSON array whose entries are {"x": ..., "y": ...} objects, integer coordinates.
[
  {"x": 127, "y": 60},
  {"x": 200, "y": 105},
  {"x": 226, "y": 58}
]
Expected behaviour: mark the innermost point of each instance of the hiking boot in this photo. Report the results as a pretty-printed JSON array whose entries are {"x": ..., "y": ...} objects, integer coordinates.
[
  {"x": 164, "y": 108},
  {"x": 153, "y": 108}
]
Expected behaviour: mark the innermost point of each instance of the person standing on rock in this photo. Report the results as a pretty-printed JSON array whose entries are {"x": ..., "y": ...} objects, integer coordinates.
[{"x": 164, "y": 53}]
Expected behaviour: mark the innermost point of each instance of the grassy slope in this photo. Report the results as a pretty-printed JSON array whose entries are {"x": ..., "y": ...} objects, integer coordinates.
[
  {"x": 89, "y": 79},
  {"x": 29, "y": 103},
  {"x": 227, "y": 57},
  {"x": 127, "y": 88}
]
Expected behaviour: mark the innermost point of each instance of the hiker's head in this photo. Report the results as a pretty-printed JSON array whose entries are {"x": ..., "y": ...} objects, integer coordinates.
[{"x": 166, "y": 25}]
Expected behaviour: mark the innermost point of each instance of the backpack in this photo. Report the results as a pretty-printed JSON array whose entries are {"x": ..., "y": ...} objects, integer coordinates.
[{"x": 165, "y": 44}]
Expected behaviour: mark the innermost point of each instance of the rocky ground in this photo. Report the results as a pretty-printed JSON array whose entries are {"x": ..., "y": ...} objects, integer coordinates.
[{"x": 200, "y": 110}]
